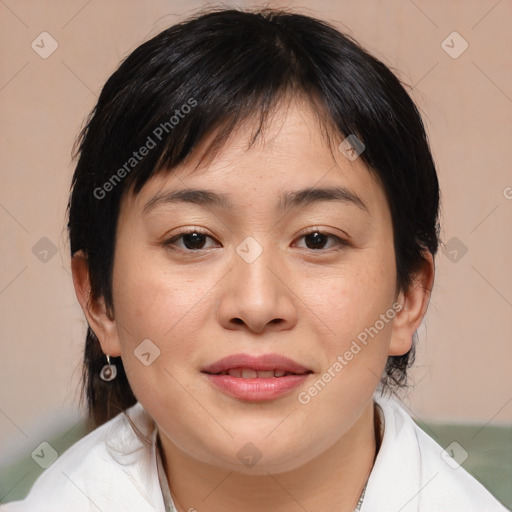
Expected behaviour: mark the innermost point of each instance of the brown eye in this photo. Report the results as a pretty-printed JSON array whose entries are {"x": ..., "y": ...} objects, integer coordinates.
[
  {"x": 193, "y": 240},
  {"x": 316, "y": 240}
]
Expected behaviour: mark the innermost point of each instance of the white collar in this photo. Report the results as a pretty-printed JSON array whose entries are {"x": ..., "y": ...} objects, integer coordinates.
[{"x": 409, "y": 473}]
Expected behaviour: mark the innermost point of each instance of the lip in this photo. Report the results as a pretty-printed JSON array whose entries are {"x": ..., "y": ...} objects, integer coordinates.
[
  {"x": 256, "y": 362},
  {"x": 256, "y": 389}
]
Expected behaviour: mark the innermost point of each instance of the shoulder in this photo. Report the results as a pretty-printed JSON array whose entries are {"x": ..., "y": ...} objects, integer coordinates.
[
  {"x": 412, "y": 472},
  {"x": 109, "y": 469}
]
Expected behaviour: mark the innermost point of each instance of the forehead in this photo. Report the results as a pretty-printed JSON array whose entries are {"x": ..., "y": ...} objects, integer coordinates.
[{"x": 292, "y": 152}]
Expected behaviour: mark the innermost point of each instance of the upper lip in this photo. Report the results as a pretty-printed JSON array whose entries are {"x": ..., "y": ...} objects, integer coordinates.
[{"x": 256, "y": 362}]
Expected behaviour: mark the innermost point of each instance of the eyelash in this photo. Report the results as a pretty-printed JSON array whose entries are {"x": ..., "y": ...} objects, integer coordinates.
[{"x": 170, "y": 242}]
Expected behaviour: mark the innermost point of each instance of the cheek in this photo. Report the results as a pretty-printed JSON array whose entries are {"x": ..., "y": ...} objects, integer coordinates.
[
  {"x": 351, "y": 299},
  {"x": 155, "y": 300},
  {"x": 153, "y": 304},
  {"x": 356, "y": 313},
  {"x": 155, "y": 308}
]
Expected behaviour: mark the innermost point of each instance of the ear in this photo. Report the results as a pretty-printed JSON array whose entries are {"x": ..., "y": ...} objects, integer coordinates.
[
  {"x": 414, "y": 302},
  {"x": 99, "y": 319}
]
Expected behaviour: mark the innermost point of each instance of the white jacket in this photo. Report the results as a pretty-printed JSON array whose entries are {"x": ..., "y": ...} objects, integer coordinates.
[{"x": 113, "y": 470}]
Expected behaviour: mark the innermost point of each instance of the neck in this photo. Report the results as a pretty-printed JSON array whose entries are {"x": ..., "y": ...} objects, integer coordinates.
[{"x": 332, "y": 481}]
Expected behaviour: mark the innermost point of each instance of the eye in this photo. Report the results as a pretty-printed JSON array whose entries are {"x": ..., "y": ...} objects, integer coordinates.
[
  {"x": 193, "y": 240},
  {"x": 317, "y": 239}
]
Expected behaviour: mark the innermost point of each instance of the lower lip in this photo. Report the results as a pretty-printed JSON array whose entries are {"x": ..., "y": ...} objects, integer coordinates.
[{"x": 256, "y": 390}]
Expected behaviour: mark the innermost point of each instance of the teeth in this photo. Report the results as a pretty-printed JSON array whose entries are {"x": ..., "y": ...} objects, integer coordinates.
[
  {"x": 266, "y": 374},
  {"x": 249, "y": 373}
]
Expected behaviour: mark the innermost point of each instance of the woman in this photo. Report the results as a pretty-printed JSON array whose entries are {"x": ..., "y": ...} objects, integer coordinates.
[{"x": 253, "y": 223}]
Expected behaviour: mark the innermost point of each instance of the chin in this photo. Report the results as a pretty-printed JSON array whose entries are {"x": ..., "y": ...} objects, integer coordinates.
[{"x": 259, "y": 455}]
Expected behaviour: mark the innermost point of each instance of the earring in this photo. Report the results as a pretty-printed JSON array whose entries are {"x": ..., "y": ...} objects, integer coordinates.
[{"x": 109, "y": 371}]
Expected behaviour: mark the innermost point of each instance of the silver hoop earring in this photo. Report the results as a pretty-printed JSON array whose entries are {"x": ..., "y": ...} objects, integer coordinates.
[{"x": 109, "y": 371}]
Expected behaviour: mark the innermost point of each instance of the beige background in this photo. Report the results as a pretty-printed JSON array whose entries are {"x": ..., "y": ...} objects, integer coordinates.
[{"x": 464, "y": 366}]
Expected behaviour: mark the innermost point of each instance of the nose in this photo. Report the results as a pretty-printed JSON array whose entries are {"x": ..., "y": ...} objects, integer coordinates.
[{"x": 257, "y": 295}]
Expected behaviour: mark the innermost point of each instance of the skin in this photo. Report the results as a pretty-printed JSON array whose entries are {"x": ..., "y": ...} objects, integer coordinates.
[{"x": 303, "y": 302}]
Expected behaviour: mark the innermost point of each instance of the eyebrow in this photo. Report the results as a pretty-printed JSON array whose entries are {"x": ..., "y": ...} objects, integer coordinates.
[{"x": 291, "y": 199}]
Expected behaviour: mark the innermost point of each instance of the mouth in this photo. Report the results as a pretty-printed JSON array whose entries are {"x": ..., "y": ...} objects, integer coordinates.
[
  {"x": 256, "y": 378},
  {"x": 251, "y": 373},
  {"x": 264, "y": 366}
]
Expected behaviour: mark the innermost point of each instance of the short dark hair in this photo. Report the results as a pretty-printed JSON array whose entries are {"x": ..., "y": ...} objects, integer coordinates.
[{"x": 213, "y": 71}]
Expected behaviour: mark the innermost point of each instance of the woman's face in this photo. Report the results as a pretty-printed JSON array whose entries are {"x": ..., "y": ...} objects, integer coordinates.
[{"x": 257, "y": 281}]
